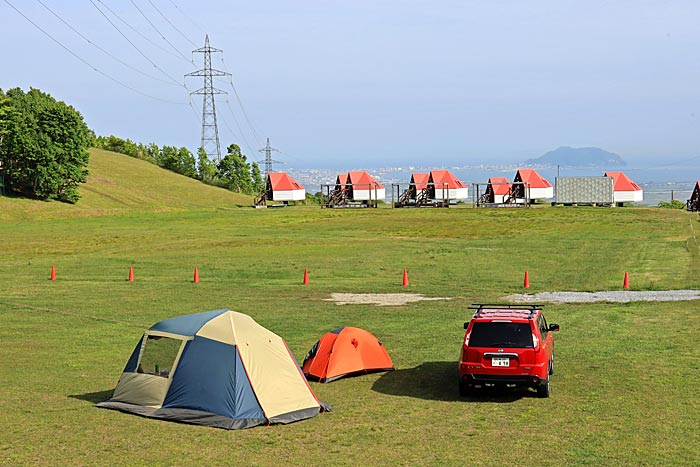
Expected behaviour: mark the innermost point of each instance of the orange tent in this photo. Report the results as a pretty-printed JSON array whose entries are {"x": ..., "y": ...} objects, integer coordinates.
[{"x": 345, "y": 351}]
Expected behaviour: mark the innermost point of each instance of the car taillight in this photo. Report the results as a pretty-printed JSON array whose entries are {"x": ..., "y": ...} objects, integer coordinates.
[
  {"x": 535, "y": 342},
  {"x": 466, "y": 339}
]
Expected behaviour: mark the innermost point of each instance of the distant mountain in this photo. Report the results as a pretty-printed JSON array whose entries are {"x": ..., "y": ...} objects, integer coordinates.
[{"x": 578, "y": 157}]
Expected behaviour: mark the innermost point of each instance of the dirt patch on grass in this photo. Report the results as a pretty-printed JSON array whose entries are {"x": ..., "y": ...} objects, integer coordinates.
[
  {"x": 616, "y": 296},
  {"x": 388, "y": 299}
]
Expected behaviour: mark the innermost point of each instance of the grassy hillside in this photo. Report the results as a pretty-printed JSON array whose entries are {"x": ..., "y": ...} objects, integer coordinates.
[
  {"x": 118, "y": 184},
  {"x": 625, "y": 391}
]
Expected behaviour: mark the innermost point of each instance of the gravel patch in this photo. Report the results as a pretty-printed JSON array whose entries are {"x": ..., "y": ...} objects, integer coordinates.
[
  {"x": 389, "y": 299},
  {"x": 617, "y": 296}
]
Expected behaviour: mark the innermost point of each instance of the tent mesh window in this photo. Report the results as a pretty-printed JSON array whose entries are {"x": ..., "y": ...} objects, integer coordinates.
[{"x": 158, "y": 355}]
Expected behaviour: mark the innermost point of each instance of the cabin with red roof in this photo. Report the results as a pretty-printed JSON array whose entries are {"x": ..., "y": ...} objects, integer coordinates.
[
  {"x": 361, "y": 186},
  {"x": 531, "y": 185},
  {"x": 497, "y": 190},
  {"x": 444, "y": 186},
  {"x": 624, "y": 189},
  {"x": 693, "y": 204},
  {"x": 419, "y": 182},
  {"x": 340, "y": 181},
  {"x": 282, "y": 187}
]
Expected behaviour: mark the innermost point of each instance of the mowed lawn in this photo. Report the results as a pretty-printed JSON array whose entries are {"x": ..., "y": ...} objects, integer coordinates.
[{"x": 626, "y": 389}]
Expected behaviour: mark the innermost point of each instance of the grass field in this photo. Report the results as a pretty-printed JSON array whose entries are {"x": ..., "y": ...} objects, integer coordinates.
[{"x": 626, "y": 390}]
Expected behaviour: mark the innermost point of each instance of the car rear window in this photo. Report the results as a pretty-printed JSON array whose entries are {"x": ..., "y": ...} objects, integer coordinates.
[{"x": 500, "y": 334}]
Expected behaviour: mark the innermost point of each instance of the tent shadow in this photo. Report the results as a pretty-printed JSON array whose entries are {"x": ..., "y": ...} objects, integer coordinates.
[
  {"x": 438, "y": 381},
  {"x": 94, "y": 397}
]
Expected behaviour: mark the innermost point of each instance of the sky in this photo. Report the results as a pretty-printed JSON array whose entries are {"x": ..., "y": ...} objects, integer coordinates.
[{"x": 367, "y": 83}]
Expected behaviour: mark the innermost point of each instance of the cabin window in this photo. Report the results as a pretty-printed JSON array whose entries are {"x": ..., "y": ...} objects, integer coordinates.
[{"x": 158, "y": 355}]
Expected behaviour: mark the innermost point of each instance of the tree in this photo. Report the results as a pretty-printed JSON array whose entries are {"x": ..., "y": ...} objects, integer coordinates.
[
  {"x": 206, "y": 168},
  {"x": 116, "y": 144},
  {"x": 186, "y": 163},
  {"x": 7, "y": 117},
  {"x": 234, "y": 170},
  {"x": 151, "y": 152},
  {"x": 258, "y": 182},
  {"x": 168, "y": 158},
  {"x": 44, "y": 146}
]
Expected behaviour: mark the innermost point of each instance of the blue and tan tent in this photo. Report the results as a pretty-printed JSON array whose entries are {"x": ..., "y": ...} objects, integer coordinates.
[{"x": 218, "y": 368}]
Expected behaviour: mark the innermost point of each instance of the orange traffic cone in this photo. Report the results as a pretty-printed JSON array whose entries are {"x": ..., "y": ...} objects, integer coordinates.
[
  {"x": 404, "y": 283},
  {"x": 53, "y": 273},
  {"x": 306, "y": 276},
  {"x": 626, "y": 282},
  {"x": 526, "y": 281},
  {"x": 131, "y": 274},
  {"x": 196, "y": 276}
]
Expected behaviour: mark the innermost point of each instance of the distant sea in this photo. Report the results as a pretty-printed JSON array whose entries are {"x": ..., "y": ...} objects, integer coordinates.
[{"x": 660, "y": 183}]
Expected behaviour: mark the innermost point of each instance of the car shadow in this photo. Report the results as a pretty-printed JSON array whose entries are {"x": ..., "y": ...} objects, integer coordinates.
[
  {"x": 93, "y": 397},
  {"x": 438, "y": 381}
]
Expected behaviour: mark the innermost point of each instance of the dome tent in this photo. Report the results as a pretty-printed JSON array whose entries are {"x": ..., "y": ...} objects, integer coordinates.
[
  {"x": 218, "y": 368},
  {"x": 343, "y": 352}
]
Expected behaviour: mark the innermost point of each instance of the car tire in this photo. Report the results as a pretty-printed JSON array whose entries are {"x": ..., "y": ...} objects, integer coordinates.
[
  {"x": 543, "y": 389},
  {"x": 551, "y": 365}
]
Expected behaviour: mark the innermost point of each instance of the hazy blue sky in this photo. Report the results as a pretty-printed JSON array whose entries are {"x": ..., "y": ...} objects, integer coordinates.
[{"x": 376, "y": 83}]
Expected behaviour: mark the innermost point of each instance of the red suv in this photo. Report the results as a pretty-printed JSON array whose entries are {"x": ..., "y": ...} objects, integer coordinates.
[{"x": 507, "y": 345}]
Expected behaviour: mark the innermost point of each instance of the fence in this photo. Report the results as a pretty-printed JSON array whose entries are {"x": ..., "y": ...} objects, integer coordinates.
[{"x": 654, "y": 197}]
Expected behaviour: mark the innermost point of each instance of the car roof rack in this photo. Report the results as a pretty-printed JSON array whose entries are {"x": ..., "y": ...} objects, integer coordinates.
[
  {"x": 480, "y": 307},
  {"x": 521, "y": 306}
]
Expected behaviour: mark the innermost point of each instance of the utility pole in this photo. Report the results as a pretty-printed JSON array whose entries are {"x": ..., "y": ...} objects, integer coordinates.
[
  {"x": 268, "y": 157},
  {"x": 210, "y": 131}
]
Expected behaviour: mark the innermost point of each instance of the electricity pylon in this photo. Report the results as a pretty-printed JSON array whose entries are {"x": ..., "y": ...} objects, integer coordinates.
[
  {"x": 268, "y": 157},
  {"x": 210, "y": 131}
]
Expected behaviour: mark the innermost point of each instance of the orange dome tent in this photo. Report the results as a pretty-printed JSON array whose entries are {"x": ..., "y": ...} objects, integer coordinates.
[{"x": 343, "y": 352}]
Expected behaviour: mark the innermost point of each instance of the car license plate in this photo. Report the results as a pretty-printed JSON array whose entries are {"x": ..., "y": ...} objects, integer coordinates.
[{"x": 500, "y": 361}]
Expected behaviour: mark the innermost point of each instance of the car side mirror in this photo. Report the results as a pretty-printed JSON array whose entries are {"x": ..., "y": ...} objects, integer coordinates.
[
  {"x": 553, "y": 327},
  {"x": 466, "y": 325}
]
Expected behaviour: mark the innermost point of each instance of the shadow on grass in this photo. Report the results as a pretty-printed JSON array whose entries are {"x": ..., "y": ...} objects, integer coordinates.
[
  {"x": 94, "y": 397},
  {"x": 438, "y": 381}
]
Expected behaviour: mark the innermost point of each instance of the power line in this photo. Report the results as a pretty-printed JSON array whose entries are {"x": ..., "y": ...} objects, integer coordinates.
[
  {"x": 289, "y": 155},
  {"x": 196, "y": 115},
  {"x": 106, "y": 52},
  {"x": 171, "y": 24},
  {"x": 158, "y": 31},
  {"x": 238, "y": 125},
  {"x": 240, "y": 103},
  {"x": 201, "y": 29},
  {"x": 127, "y": 24},
  {"x": 672, "y": 164},
  {"x": 233, "y": 133},
  {"x": 132, "y": 44},
  {"x": 86, "y": 62}
]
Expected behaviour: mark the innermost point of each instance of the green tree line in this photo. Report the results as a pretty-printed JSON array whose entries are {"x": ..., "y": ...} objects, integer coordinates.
[
  {"x": 233, "y": 171},
  {"x": 44, "y": 142}
]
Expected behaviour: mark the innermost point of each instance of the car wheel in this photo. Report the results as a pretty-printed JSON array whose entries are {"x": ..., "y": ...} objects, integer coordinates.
[{"x": 543, "y": 389}]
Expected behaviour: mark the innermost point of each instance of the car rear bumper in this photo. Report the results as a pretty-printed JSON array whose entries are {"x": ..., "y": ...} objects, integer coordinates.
[
  {"x": 484, "y": 379},
  {"x": 521, "y": 373}
]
